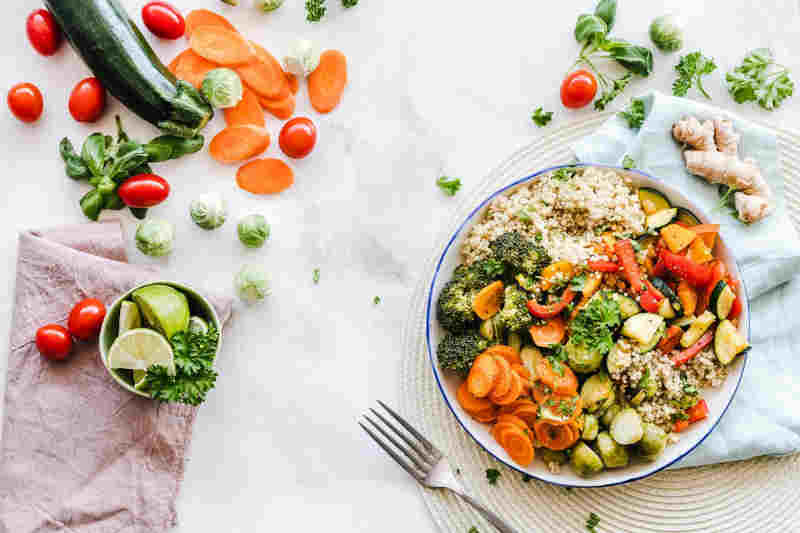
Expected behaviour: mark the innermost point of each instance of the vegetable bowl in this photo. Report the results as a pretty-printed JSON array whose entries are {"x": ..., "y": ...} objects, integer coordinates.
[
  {"x": 586, "y": 325},
  {"x": 148, "y": 334}
]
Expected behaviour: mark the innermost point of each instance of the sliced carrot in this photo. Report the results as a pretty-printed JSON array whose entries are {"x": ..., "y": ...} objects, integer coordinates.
[
  {"x": 326, "y": 84},
  {"x": 509, "y": 409},
  {"x": 553, "y": 436},
  {"x": 513, "y": 420},
  {"x": 221, "y": 45},
  {"x": 191, "y": 68},
  {"x": 204, "y": 17},
  {"x": 563, "y": 382},
  {"x": 486, "y": 416},
  {"x": 483, "y": 375},
  {"x": 504, "y": 378},
  {"x": 527, "y": 412},
  {"x": 488, "y": 301},
  {"x": 265, "y": 76},
  {"x": 565, "y": 409},
  {"x": 470, "y": 403},
  {"x": 513, "y": 393},
  {"x": 541, "y": 392},
  {"x": 247, "y": 111},
  {"x": 507, "y": 352},
  {"x": 294, "y": 83},
  {"x": 281, "y": 109},
  {"x": 517, "y": 443},
  {"x": 550, "y": 333},
  {"x": 237, "y": 143},
  {"x": 521, "y": 370},
  {"x": 265, "y": 176}
]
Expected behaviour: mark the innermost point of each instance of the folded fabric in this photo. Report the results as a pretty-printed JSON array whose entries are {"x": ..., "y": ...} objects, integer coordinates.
[
  {"x": 764, "y": 418},
  {"x": 78, "y": 452}
]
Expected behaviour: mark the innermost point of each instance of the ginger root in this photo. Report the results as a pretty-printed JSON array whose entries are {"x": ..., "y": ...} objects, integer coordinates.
[{"x": 715, "y": 157}]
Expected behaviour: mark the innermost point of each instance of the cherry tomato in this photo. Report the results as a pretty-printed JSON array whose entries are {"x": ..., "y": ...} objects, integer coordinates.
[
  {"x": 43, "y": 32},
  {"x": 578, "y": 89},
  {"x": 54, "y": 342},
  {"x": 298, "y": 137},
  {"x": 163, "y": 20},
  {"x": 144, "y": 190},
  {"x": 86, "y": 318},
  {"x": 87, "y": 101},
  {"x": 25, "y": 101}
]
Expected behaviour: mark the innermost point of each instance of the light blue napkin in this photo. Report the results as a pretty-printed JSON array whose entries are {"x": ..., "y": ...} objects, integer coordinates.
[{"x": 764, "y": 418}]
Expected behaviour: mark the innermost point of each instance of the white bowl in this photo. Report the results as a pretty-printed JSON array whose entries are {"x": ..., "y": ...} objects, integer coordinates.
[{"x": 718, "y": 399}]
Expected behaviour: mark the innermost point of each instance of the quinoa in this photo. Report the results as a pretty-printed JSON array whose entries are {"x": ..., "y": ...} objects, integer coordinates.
[{"x": 564, "y": 216}]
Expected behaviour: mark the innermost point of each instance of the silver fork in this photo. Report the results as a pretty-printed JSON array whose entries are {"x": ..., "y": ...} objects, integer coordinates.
[{"x": 426, "y": 463}]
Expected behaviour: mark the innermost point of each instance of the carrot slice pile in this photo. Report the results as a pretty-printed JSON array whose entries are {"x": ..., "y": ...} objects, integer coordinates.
[
  {"x": 488, "y": 301},
  {"x": 247, "y": 111},
  {"x": 564, "y": 382},
  {"x": 483, "y": 375},
  {"x": 221, "y": 45},
  {"x": 237, "y": 143},
  {"x": 479, "y": 408},
  {"x": 513, "y": 434},
  {"x": 204, "y": 17},
  {"x": 265, "y": 76},
  {"x": 554, "y": 436},
  {"x": 191, "y": 68},
  {"x": 512, "y": 394},
  {"x": 549, "y": 333},
  {"x": 507, "y": 352},
  {"x": 265, "y": 176},
  {"x": 504, "y": 379},
  {"x": 326, "y": 84},
  {"x": 281, "y": 109}
]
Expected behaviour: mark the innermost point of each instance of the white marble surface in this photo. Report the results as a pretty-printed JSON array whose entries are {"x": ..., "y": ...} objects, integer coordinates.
[{"x": 436, "y": 87}]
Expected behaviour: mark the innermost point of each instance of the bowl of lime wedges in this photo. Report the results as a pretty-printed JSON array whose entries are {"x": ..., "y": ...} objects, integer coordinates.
[{"x": 160, "y": 340}]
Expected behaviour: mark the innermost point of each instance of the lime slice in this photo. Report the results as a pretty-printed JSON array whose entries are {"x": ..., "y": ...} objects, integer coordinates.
[
  {"x": 139, "y": 349},
  {"x": 129, "y": 317},
  {"x": 138, "y": 379},
  {"x": 164, "y": 308}
]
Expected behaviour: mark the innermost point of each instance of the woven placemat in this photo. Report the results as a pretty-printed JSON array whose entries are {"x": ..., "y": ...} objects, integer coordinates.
[{"x": 756, "y": 495}]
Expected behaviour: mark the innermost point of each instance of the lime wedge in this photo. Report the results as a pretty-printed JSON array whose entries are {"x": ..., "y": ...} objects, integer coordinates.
[
  {"x": 139, "y": 349},
  {"x": 164, "y": 308},
  {"x": 129, "y": 317},
  {"x": 138, "y": 379}
]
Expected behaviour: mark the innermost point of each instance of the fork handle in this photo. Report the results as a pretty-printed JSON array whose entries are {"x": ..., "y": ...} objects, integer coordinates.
[{"x": 493, "y": 519}]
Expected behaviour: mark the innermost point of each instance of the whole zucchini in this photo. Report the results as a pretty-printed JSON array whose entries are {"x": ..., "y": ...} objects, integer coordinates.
[{"x": 120, "y": 57}]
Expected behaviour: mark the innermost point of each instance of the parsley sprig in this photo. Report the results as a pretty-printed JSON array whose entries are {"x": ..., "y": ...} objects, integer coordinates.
[
  {"x": 592, "y": 522},
  {"x": 492, "y": 475},
  {"x": 760, "y": 79},
  {"x": 449, "y": 186},
  {"x": 542, "y": 117},
  {"x": 634, "y": 115},
  {"x": 594, "y": 325},
  {"x": 691, "y": 68}
]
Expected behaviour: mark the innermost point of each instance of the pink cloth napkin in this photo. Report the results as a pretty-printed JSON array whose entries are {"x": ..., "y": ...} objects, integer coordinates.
[{"x": 80, "y": 454}]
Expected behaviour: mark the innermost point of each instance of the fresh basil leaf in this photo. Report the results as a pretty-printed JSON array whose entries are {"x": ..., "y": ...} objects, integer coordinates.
[
  {"x": 130, "y": 156},
  {"x": 106, "y": 186},
  {"x": 74, "y": 165},
  {"x": 172, "y": 147},
  {"x": 637, "y": 59},
  {"x": 590, "y": 27},
  {"x": 93, "y": 153},
  {"x": 607, "y": 10},
  {"x": 92, "y": 203},
  {"x": 113, "y": 201}
]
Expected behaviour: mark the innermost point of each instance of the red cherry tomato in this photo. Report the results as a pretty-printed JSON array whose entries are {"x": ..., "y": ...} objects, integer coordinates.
[
  {"x": 578, "y": 89},
  {"x": 298, "y": 137},
  {"x": 25, "y": 101},
  {"x": 144, "y": 190},
  {"x": 54, "y": 342},
  {"x": 43, "y": 32},
  {"x": 87, "y": 101},
  {"x": 163, "y": 20},
  {"x": 86, "y": 318}
]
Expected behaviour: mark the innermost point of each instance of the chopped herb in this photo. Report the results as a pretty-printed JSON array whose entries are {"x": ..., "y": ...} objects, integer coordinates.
[
  {"x": 726, "y": 200},
  {"x": 492, "y": 475},
  {"x": 760, "y": 79},
  {"x": 628, "y": 162},
  {"x": 315, "y": 10},
  {"x": 634, "y": 115},
  {"x": 691, "y": 68},
  {"x": 636, "y": 245},
  {"x": 526, "y": 478},
  {"x": 542, "y": 118},
  {"x": 689, "y": 389},
  {"x": 349, "y": 3},
  {"x": 680, "y": 416},
  {"x": 473, "y": 529},
  {"x": 524, "y": 215},
  {"x": 376, "y": 300},
  {"x": 611, "y": 92},
  {"x": 566, "y": 407},
  {"x": 538, "y": 237},
  {"x": 594, "y": 325},
  {"x": 449, "y": 186},
  {"x": 315, "y": 276},
  {"x": 458, "y": 471},
  {"x": 564, "y": 174},
  {"x": 592, "y": 522},
  {"x": 645, "y": 379}
]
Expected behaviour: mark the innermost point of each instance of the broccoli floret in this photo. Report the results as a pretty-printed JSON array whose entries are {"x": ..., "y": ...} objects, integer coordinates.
[
  {"x": 454, "y": 308},
  {"x": 515, "y": 315},
  {"x": 520, "y": 253},
  {"x": 480, "y": 273},
  {"x": 457, "y": 351}
]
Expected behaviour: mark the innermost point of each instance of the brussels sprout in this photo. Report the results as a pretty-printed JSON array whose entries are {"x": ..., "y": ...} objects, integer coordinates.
[
  {"x": 584, "y": 461},
  {"x": 597, "y": 392},
  {"x": 590, "y": 427},
  {"x": 197, "y": 325},
  {"x": 553, "y": 456},
  {"x": 222, "y": 87},
  {"x": 626, "y": 428},
  {"x": 588, "y": 27},
  {"x": 302, "y": 59},
  {"x": 582, "y": 359},
  {"x": 666, "y": 33},
  {"x": 268, "y": 5},
  {"x": 154, "y": 237},
  {"x": 253, "y": 231},
  {"x": 209, "y": 210},
  {"x": 609, "y": 415},
  {"x": 252, "y": 283},
  {"x": 654, "y": 439},
  {"x": 613, "y": 455}
]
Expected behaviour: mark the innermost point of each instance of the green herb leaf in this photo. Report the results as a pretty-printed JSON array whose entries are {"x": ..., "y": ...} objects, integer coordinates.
[
  {"x": 564, "y": 174},
  {"x": 167, "y": 147},
  {"x": 315, "y": 276},
  {"x": 628, "y": 162},
  {"x": 590, "y": 27},
  {"x": 194, "y": 352},
  {"x": 93, "y": 153},
  {"x": 611, "y": 92},
  {"x": 635, "y": 58},
  {"x": 577, "y": 282},
  {"x": 376, "y": 300},
  {"x": 592, "y": 522},
  {"x": 595, "y": 324},
  {"x": 634, "y": 115},
  {"x": 92, "y": 203},
  {"x": 473, "y": 529},
  {"x": 74, "y": 165},
  {"x": 449, "y": 186},
  {"x": 691, "y": 68},
  {"x": 492, "y": 475},
  {"x": 542, "y": 118},
  {"x": 349, "y": 3},
  {"x": 607, "y": 10},
  {"x": 315, "y": 10},
  {"x": 759, "y": 79}
]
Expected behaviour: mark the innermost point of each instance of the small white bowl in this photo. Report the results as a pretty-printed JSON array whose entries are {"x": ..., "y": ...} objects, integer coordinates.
[{"x": 718, "y": 399}]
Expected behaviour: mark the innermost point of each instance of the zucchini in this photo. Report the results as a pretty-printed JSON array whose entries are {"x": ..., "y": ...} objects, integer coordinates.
[
  {"x": 721, "y": 301},
  {"x": 665, "y": 309},
  {"x": 698, "y": 327},
  {"x": 644, "y": 347},
  {"x": 684, "y": 321},
  {"x": 669, "y": 294},
  {"x": 687, "y": 217},
  {"x": 658, "y": 220},
  {"x": 642, "y": 327},
  {"x": 627, "y": 305},
  {"x": 652, "y": 201},
  {"x": 728, "y": 342},
  {"x": 119, "y": 56}
]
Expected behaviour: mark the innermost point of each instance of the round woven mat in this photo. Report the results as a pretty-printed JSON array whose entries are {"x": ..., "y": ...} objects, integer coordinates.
[{"x": 748, "y": 496}]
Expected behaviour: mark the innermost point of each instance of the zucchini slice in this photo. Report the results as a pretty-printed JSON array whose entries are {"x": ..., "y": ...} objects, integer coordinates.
[
  {"x": 687, "y": 217},
  {"x": 698, "y": 327},
  {"x": 669, "y": 294},
  {"x": 665, "y": 309},
  {"x": 646, "y": 347},
  {"x": 728, "y": 342},
  {"x": 642, "y": 327},
  {"x": 658, "y": 220},
  {"x": 721, "y": 301},
  {"x": 684, "y": 321},
  {"x": 652, "y": 201},
  {"x": 627, "y": 305}
]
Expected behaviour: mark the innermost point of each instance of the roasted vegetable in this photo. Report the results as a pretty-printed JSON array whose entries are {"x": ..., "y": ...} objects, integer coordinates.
[{"x": 456, "y": 352}]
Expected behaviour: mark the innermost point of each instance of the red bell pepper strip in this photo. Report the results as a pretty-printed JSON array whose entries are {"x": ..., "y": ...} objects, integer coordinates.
[
  {"x": 649, "y": 302},
  {"x": 680, "y": 425},
  {"x": 549, "y": 311},
  {"x": 671, "y": 339},
  {"x": 603, "y": 266},
  {"x": 626, "y": 255},
  {"x": 698, "y": 412},
  {"x": 694, "y": 349},
  {"x": 659, "y": 270},
  {"x": 695, "y": 274}
]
